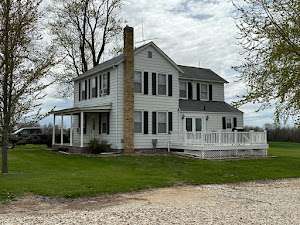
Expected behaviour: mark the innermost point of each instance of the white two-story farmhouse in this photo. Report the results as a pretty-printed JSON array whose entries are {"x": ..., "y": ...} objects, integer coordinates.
[{"x": 143, "y": 100}]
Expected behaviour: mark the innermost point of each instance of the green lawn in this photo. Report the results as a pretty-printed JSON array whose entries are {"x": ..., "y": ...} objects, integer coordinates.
[{"x": 33, "y": 169}]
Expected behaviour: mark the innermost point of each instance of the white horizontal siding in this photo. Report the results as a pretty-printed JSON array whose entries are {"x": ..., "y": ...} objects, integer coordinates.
[
  {"x": 214, "y": 121},
  {"x": 217, "y": 90},
  {"x": 150, "y": 103}
]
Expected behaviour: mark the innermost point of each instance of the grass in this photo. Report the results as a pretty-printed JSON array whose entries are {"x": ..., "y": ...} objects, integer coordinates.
[{"x": 35, "y": 170}]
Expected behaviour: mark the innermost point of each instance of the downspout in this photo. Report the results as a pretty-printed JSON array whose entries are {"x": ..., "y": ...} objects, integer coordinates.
[{"x": 117, "y": 108}]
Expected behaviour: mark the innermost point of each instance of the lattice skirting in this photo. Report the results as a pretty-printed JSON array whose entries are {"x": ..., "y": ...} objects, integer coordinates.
[{"x": 223, "y": 154}]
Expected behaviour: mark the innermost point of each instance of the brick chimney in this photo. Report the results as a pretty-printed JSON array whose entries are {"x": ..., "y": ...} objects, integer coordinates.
[{"x": 128, "y": 113}]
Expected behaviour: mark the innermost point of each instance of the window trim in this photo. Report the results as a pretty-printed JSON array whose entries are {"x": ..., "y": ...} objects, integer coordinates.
[
  {"x": 207, "y": 92},
  {"x": 142, "y": 122},
  {"x": 167, "y": 122},
  {"x": 231, "y": 122},
  {"x": 142, "y": 82},
  {"x": 186, "y": 89},
  {"x": 157, "y": 81}
]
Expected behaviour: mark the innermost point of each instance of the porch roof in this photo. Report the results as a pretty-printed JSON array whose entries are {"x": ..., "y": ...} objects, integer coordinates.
[
  {"x": 74, "y": 110},
  {"x": 206, "y": 106}
]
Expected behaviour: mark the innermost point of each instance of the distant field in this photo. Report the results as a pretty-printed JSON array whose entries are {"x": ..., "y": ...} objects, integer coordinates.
[{"x": 34, "y": 169}]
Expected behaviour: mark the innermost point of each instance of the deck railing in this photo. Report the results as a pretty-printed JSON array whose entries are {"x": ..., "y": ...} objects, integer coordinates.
[{"x": 223, "y": 138}]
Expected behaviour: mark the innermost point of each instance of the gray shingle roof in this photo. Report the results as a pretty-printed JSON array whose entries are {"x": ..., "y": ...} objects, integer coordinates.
[
  {"x": 203, "y": 106},
  {"x": 189, "y": 72},
  {"x": 200, "y": 74}
]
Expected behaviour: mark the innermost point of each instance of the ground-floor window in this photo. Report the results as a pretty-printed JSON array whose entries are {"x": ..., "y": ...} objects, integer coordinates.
[
  {"x": 228, "y": 123},
  {"x": 198, "y": 124},
  {"x": 189, "y": 124},
  {"x": 162, "y": 122},
  {"x": 138, "y": 122}
]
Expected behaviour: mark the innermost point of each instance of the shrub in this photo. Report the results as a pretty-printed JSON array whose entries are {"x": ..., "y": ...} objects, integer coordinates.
[{"x": 95, "y": 147}]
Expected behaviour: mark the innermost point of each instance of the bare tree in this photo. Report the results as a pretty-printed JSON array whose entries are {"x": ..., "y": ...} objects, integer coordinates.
[
  {"x": 270, "y": 38},
  {"x": 82, "y": 29},
  {"x": 24, "y": 65}
]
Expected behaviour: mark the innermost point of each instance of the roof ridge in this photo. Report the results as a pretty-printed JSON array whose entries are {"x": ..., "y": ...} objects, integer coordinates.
[{"x": 194, "y": 67}]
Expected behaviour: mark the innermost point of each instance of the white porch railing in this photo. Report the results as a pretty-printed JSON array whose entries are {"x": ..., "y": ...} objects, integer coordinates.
[{"x": 221, "y": 138}]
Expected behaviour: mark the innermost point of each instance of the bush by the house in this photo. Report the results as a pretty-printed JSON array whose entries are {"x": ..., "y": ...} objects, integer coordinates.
[{"x": 95, "y": 147}]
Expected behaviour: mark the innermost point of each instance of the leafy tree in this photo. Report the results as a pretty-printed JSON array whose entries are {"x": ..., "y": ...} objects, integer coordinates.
[
  {"x": 82, "y": 30},
  {"x": 270, "y": 39},
  {"x": 25, "y": 63}
]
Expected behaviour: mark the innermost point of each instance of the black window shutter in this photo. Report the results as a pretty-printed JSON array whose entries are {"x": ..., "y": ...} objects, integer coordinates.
[
  {"x": 170, "y": 85},
  {"x": 170, "y": 122},
  {"x": 234, "y": 122},
  {"x": 89, "y": 89},
  {"x": 145, "y": 122},
  {"x": 198, "y": 91},
  {"x": 108, "y": 83},
  {"x": 224, "y": 122},
  {"x": 210, "y": 92},
  {"x": 96, "y": 86},
  {"x": 107, "y": 122},
  {"x": 190, "y": 90},
  {"x": 79, "y": 90},
  {"x": 153, "y": 122},
  {"x": 86, "y": 89},
  {"x": 100, "y": 127},
  {"x": 153, "y": 83},
  {"x": 146, "y": 83}
]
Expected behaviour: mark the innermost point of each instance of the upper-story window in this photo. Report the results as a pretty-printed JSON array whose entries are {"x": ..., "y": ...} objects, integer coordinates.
[
  {"x": 204, "y": 91},
  {"x": 138, "y": 82},
  {"x": 84, "y": 89},
  {"x": 162, "y": 84},
  {"x": 94, "y": 82},
  {"x": 104, "y": 84},
  {"x": 149, "y": 54},
  {"x": 182, "y": 89}
]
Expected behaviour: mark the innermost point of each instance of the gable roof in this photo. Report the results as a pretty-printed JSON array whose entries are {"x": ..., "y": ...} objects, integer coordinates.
[
  {"x": 206, "y": 106},
  {"x": 198, "y": 73},
  {"x": 120, "y": 58}
]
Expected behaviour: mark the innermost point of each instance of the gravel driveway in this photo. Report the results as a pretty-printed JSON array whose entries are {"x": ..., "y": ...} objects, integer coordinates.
[{"x": 276, "y": 202}]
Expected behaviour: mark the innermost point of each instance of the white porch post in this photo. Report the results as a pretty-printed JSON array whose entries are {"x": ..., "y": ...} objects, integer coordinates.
[
  {"x": 62, "y": 130},
  {"x": 81, "y": 128},
  {"x": 71, "y": 130},
  {"x": 53, "y": 131}
]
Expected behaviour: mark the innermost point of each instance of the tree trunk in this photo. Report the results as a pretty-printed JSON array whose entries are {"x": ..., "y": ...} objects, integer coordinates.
[{"x": 4, "y": 152}]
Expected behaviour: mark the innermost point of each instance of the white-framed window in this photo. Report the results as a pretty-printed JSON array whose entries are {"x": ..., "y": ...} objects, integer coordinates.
[
  {"x": 138, "y": 82},
  {"x": 198, "y": 124},
  {"x": 189, "y": 124},
  {"x": 104, "y": 84},
  {"x": 162, "y": 84},
  {"x": 162, "y": 122},
  {"x": 138, "y": 122},
  {"x": 183, "y": 89},
  {"x": 83, "y": 90},
  {"x": 94, "y": 87},
  {"x": 228, "y": 123},
  {"x": 204, "y": 91},
  {"x": 104, "y": 123}
]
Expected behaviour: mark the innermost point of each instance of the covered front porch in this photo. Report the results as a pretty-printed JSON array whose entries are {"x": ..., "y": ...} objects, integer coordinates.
[{"x": 83, "y": 124}]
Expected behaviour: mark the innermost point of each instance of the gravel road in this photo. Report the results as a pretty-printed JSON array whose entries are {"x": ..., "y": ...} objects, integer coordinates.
[{"x": 274, "y": 202}]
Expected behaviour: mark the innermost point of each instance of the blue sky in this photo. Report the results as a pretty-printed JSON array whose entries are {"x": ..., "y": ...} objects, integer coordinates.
[{"x": 191, "y": 32}]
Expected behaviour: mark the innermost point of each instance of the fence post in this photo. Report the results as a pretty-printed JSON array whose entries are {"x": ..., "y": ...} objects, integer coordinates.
[
  {"x": 265, "y": 137},
  {"x": 235, "y": 137},
  {"x": 251, "y": 136}
]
